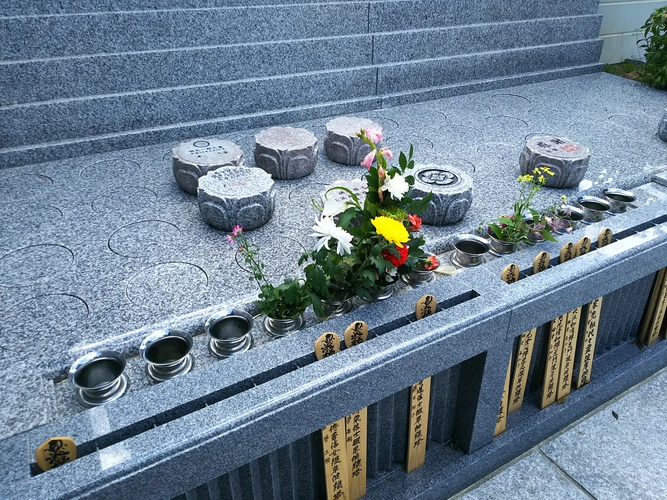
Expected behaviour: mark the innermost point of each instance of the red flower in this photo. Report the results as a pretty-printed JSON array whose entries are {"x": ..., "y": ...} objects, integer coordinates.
[
  {"x": 431, "y": 263},
  {"x": 415, "y": 222},
  {"x": 396, "y": 261}
]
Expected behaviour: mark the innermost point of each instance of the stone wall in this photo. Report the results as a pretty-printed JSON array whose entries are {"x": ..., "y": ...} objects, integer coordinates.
[{"x": 92, "y": 76}]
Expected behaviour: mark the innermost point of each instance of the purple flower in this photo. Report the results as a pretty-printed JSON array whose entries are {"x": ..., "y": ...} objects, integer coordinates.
[
  {"x": 229, "y": 239},
  {"x": 237, "y": 230}
]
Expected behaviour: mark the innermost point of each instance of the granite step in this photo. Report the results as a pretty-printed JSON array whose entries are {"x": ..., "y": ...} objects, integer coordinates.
[
  {"x": 112, "y": 32},
  {"x": 21, "y": 125},
  {"x": 426, "y": 11},
  {"x": 80, "y": 76},
  {"x": 34, "y": 152}
]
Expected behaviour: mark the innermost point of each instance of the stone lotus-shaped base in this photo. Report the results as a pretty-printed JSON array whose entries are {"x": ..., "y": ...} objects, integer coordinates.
[
  {"x": 341, "y": 143},
  {"x": 193, "y": 159},
  {"x": 236, "y": 195},
  {"x": 566, "y": 159},
  {"x": 286, "y": 152},
  {"x": 662, "y": 127},
  {"x": 452, "y": 193}
]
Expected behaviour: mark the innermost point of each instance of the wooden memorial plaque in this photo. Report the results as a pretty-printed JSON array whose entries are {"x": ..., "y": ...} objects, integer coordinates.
[
  {"x": 555, "y": 349},
  {"x": 660, "y": 307},
  {"x": 425, "y": 306},
  {"x": 501, "y": 422},
  {"x": 55, "y": 452},
  {"x": 604, "y": 238},
  {"x": 333, "y": 435},
  {"x": 524, "y": 353},
  {"x": 645, "y": 329},
  {"x": 591, "y": 326},
  {"x": 571, "y": 333},
  {"x": 510, "y": 274},
  {"x": 356, "y": 425},
  {"x": 420, "y": 398}
]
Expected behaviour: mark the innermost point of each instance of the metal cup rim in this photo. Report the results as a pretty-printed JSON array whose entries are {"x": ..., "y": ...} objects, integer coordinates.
[
  {"x": 91, "y": 357},
  {"x": 158, "y": 335}
]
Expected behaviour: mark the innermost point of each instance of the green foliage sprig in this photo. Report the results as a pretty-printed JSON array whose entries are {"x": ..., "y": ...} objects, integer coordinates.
[{"x": 654, "y": 43}]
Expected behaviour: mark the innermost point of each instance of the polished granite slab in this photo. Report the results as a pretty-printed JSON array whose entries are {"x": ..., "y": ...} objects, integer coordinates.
[{"x": 96, "y": 251}]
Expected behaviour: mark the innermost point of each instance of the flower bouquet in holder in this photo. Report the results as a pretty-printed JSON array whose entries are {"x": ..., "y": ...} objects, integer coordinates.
[
  {"x": 509, "y": 230},
  {"x": 382, "y": 230},
  {"x": 283, "y": 304}
]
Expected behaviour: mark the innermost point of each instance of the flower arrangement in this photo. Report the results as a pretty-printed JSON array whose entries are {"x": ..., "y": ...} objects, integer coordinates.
[
  {"x": 514, "y": 228},
  {"x": 287, "y": 300},
  {"x": 375, "y": 240}
]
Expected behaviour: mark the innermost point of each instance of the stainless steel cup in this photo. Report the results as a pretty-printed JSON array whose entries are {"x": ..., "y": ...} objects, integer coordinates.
[
  {"x": 229, "y": 332},
  {"x": 594, "y": 208},
  {"x": 167, "y": 354},
  {"x": 99, "y": 377},
  {"x": 470, "y": 250},
  {"x": 618, "y": 199}
]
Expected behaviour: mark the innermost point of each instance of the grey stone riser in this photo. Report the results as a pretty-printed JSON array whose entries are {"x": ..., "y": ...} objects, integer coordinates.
[
  {"x": 43, "y": 80},
  {"x": 105, "y": 115},
  {"x": 38, "y": 153},
  {"x": 47, "y": 7},
  {"x": 407, "y": 77},
  {"x": 98, "y": 75},
  {"x": 26, "y": 37},
  {"x": 459, "y": 11},
  {"x": 29, "y": 124}
]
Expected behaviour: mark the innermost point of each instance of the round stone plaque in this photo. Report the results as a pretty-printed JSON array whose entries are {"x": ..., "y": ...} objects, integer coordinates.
[
  {"x": 662, "y": 127},
  {"x": 236, "y": 195},
  {"x": 341, "y": 142},
  {"x": 192, "y": 159},
  {"x": 452, "y": 193},
  {"x": 286, "y": 152},
  {"x": 568, "y": 160}
]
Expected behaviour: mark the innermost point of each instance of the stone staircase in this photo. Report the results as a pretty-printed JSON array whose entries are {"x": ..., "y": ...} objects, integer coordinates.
[{"x": 85, "y": 76}]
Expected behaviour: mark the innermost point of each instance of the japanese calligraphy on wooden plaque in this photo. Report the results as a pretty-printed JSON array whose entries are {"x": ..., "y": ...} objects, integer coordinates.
[
  {"x": 524, "y": 353},
  {"x": 356, "y": 333},
  {"x": 588, "y": 344},
  {"x": 583, "y": 246},
  {"x": 420, "y": 397},
  {"x": 333, "y": 435},
  {"x": 420, "y": 394},
  {"x": 555, "y": 347},
  {"x": 501, "y": 422},
  {"x": 659, "y": 314},
  {"x": 510, "y": 274},
  {"x": 425, "y": 306},
  {"x": 55, "y": 452},
  {"x": 356, "y": 425},
  {"x": 647, "y": 321},
  {"x": 592, "y": 321}
]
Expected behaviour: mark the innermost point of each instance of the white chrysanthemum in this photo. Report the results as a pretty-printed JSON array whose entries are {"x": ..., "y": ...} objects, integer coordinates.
[
  {"x": 397, "y": 186},
  {"x": 333, "y": 207},
  {"x": 325, "y": 229}
]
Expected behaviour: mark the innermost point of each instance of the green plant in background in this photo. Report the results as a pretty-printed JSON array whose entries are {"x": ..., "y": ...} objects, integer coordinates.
[
  {"x": 513, "y": 227},
  {"x": 654, "y": 43},
  {"x": 287, "y": 300}
]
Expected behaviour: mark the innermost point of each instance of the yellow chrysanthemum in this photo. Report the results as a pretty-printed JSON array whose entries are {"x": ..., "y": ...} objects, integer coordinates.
[{"x": 391, "y": 230}]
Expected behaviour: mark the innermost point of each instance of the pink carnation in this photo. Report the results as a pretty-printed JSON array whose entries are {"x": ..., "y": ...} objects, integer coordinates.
[
  {"x": 368, "y": 160},
  {"x": 374, "y": 134},
  {"x": 386, "y": 152}
]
